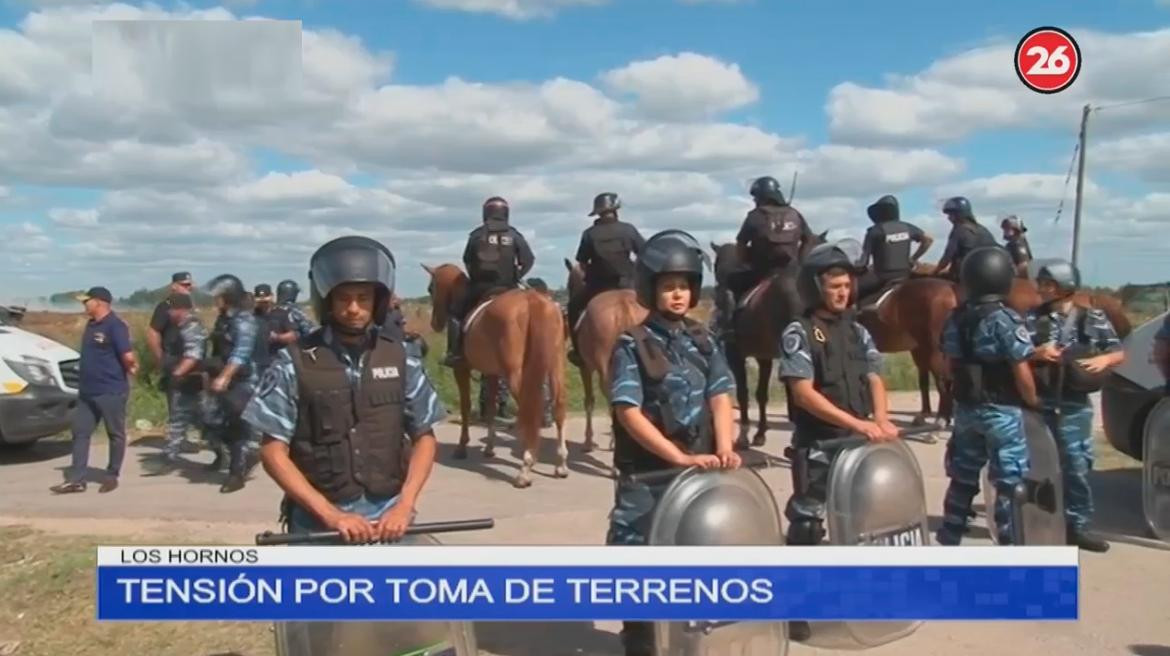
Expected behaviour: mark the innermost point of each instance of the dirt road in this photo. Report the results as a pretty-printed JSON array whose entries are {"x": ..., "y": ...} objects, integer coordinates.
[{"x": 1125, "y": 593}]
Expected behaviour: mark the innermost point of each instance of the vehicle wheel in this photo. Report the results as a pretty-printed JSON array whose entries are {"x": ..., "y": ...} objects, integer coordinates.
[{"x": 20, "y": 446}]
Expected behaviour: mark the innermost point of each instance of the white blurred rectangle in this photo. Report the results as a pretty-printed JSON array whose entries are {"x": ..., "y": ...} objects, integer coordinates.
[{"x": 198, "y": 62}]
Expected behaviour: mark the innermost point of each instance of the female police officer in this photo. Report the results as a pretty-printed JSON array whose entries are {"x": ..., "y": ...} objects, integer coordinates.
[
  {"x": 337, "y": 409},
  {"x": 670, "y": 395}
]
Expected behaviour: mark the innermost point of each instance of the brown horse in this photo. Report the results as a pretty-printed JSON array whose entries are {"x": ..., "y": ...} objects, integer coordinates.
[
  {"x": 773, "y": 305},
  {"x": 607, "y": 316},
  {"x": 1025, "y": 297},
  {"x": 520, "y": 336}
]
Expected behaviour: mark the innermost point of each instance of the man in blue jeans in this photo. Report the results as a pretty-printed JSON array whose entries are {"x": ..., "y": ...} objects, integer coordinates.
[{"x": 107, "y": 362}]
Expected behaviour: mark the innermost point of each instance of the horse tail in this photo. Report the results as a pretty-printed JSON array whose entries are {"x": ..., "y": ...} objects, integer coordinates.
[{"x": 543, "y": 362}]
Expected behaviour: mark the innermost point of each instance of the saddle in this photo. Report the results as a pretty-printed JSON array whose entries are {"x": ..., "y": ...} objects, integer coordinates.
[
  {"x": 480, "y": 307},
  {"x": 756, "y": 289},
  {"x": 873, "y": 302}
]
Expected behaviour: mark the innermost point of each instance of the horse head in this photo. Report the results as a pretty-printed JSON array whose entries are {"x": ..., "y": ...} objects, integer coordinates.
[
  {"x": 447, "y": 282},
  {"x": 576, "y": 281},
  {"x": 726, "y": 259}
]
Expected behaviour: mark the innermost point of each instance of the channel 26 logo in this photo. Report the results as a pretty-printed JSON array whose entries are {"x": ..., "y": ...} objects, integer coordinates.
[{"x": 1048, "y": 60}]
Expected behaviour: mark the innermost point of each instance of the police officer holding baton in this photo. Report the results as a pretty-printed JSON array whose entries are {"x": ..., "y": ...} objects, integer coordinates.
[{"x": 347, "y": 415}]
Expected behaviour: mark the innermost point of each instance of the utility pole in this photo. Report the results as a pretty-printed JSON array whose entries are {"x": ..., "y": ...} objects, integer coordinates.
[{"x": 1076, "y": 245}]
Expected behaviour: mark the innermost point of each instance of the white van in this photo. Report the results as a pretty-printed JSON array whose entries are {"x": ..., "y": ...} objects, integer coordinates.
[{"x": 38, "y": 383}]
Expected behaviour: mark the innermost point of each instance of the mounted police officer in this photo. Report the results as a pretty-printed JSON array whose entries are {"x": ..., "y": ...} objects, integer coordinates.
[
  {"x": 497, "y": 258},
  {"x": 773, "y": 238},
  {"x": 605, "y": 255},
  {"x": 988, "y": 346},
  {"x": 289, "y": 316},
  {"x": 182, "y": 375},
  {"x": 1015, "y": 242},
  {"x": 362, "y": 471},
  {"x": 1061, "y": 328},
  {"x": 887, "y": 243},
  {"x": 235, "y": 348},
  {"x": 967, "y": 234},
  {"x": 670, "y": 392}
]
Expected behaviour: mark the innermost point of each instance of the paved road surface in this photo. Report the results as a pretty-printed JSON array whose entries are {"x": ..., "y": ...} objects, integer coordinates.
[{"x": 1126, "y": 593}]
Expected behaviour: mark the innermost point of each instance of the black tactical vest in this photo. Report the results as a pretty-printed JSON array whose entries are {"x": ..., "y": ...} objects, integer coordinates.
[
  {"x": 1073, "y": 383},
  {"x": 350, "y": 440},
  {"x": 840, "y": 374},
  {"x": 781, "y": 233},
  {"x": 976, "y": 236},
  {"x": 977, "y": 381},
  {"x": 653, "y": 366},
  {"x": 221, "y": 347},
  {"x": 891, "y": 248},
  {"x": 495, "y": 255},
  {"x": 1019, "y": 250},
  {"x": 611, "y": 266}
]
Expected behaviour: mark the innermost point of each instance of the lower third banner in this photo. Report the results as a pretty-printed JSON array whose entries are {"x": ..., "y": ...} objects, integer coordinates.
[{"x": 587, "y": 583}]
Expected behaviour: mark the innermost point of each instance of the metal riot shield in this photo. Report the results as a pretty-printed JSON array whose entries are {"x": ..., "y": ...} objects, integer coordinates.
[
  {"x": 1038, "y": 502},
  {"x": 1156, "y": 470},
  {"x": 378, "y": 638},
  {"x": 876, "y": 496},
  {"x": 718, "y": 507}
]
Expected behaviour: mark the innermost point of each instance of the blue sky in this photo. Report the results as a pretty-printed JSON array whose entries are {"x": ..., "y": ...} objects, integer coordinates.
[{"x": 80, "y": 220}]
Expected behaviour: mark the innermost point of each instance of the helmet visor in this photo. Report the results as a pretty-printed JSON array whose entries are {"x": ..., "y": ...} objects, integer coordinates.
[
  {"x": 656, "y": 254},
  {"x": 352, "y": 264}
]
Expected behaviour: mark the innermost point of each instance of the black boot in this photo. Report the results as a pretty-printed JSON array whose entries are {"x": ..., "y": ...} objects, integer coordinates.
[
  {"x": 637, "y": 638},
  {"x": 799, "y": 631},
  {"x": 454, "y": 343},
  {"x": 235, "y": 480},
  {"x": 725, "y": 305},
  {"x": 574, "y": 355},
  {"x": 1082, "y": 539},
  {"x": 219, "y": 461}
]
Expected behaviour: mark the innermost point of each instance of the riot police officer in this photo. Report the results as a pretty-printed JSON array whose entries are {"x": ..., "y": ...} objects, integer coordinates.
[
  {"x": 670, "y": 393},
  {"x": 235, "y": 347},
  {"x": 382, "y": 423},
  {"x": 182, "y": 374},
  {"x": 774, "y": 236},
  {"x": 887, "y": 243},
  {"x": 269, "y": 326},
  {"x": 1016, "y": 243},
  {"x": 605, "y": 257},
  {"x": 988, "y": 346},
  {"x": 967, "y": 234},
  {"x": 1059, "y": 327},
  {"x": 497, "y": 257},
  {"x": 288, "y": 316}
]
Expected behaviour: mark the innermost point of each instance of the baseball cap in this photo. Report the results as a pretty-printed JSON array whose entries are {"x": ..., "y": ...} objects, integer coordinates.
[
  {"x": 180, "y": 302},
  {"x": 182, "y": 276},
  {"x": 98, "y": 293},
  {"x": 262, "y": 291}
]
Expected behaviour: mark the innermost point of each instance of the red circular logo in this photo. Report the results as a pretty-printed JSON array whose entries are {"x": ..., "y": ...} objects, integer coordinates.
[{"x": 1048, "y": 60}]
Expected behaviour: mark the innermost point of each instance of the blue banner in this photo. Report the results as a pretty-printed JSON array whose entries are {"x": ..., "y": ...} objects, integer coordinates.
[{"x": 584, "y": 593}]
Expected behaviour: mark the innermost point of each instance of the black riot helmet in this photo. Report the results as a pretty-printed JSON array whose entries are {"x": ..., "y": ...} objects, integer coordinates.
[
  {"x": 286, "y": 291},
  {"x": 767, "y": 189},
  {"x": 958, "y": 207},
  {"x": 263, "y": 291},
  {"x": 351, "y": 259},
  {"x": 1013, "y": 222},
  {"x": 229, "y": 288},
  {"x": 495, "y": 209},
  {"x": 606, "y": 202},
  {"x": 884, "y": 209},
  {"x": 1061, "y": 273},
  {"x": 841, "y": 254},
  {"x": 670, "y": 251},
  {"x": 986, "y": 274}
]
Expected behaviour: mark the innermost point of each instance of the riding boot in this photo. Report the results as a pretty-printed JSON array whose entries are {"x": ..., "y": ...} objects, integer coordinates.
[
  {"x": 725, "y": 305},
  {"x": 454, "y": 343},
  {"x": 574, "y": 355}
]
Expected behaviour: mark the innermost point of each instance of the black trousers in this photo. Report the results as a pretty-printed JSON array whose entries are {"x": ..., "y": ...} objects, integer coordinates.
[{"x": 110, "y": 409}]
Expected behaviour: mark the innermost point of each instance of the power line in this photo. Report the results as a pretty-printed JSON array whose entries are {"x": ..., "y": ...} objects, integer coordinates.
[
  {"x": 1132, "y": 102},
  {"x": 1067, "y": 178}
]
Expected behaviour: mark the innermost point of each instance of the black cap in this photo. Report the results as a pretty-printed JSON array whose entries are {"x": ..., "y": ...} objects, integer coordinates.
[
  {"x": 99, "y": 293},
  {"x": 182, "y": 276},
  {"x": 180, "y": 302},
  {"x": 262, "y": 291}
]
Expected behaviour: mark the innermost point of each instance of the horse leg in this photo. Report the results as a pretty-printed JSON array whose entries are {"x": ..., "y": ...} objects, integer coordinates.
[
  {"x": 946, "y": 401},
  {"x": 562, "y": 468},
  {"x": 739, "y": 371},
  {"x": 587, "y": 383},
  {"x": 493, "y": 406},
  {"x": 463, "y": 382},
  {"x": 922, "y": 363},
  {"x": 765, "y": 367}
]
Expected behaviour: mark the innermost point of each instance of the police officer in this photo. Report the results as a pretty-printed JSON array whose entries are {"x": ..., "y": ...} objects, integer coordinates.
[
  {"x": 363, "y": 472},
  {"x": 288, "y": 314},
  {"x": 496, "y": 257},
  {"x": 887, "y": 243},
  {"x": 967, "y": 234},
  {"x": 832, "y": 372},
  {"x": 1056, "y": 326},
  {"x": 183, "y": 375},
  {"x": 605, "y": 257},
  {"x": 774, "y": 237},
  {"x": 988, "y": 346},
  {"x": 1016, "y": 243},
  {"x": 670, "y": 393},
  {"x": 235, "y": 347},
  {"x": 394, "y": 327},
  {"x": 269, "y": 326}
]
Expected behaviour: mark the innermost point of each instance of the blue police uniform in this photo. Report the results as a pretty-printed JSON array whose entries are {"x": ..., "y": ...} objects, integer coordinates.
[
  {"x": 272, "y": 411},
  {"x": 1072, "y": 425},
  {"x": 301, "y": 323},
  {"x": 222, "y": 411},
  {"x": 988, "y": 430},
  {"x": 183, "y": 397}
]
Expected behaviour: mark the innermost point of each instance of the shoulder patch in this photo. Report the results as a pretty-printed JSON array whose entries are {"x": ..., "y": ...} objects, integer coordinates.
[
  {"x": 1022, "y": 335},
  {"x": 791, "y": 342},
  {"x": 268, "y": 382}
]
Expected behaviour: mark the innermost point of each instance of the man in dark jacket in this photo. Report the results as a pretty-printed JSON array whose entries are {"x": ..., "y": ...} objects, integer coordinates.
[
  {"x": 497, "y": 258},
  {"x": 887, "y": 243},
  {"x": 966, "y": 235}
]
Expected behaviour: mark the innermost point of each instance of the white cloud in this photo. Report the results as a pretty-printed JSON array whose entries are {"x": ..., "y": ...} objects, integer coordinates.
[
  {"x": 74, "y": 218},
  {"x": 1145, "y": 155},
  {"x": 687, "y": 85},
  {"x": 978, "y": 90},
  {"x": 1018, "y": 192},
  {"x": 514, "y": 9}
]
